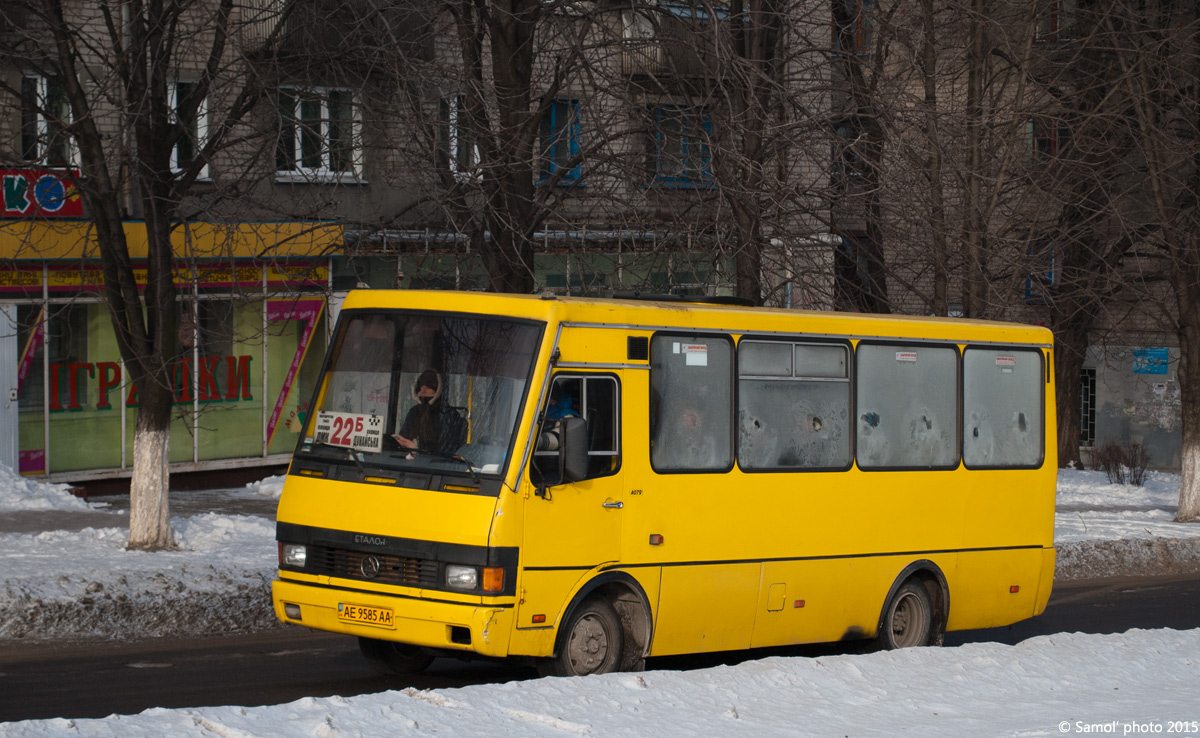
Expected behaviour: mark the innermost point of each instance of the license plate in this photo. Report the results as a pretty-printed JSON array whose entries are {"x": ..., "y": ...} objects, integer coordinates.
[{"x": 377, "y": 616}]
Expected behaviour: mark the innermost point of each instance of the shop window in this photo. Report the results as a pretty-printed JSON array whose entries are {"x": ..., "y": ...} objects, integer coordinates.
[
  {"x": 206, "y": 326},
  {"x": 679, "y": 149},
  {"x": 65, "y": 337},
  {"x": 457, "y": 149},
  {"x": 691, "y": 403},
  {"x": 560, "y": 142},
  {"x": 318, "y": 138},
  {"x": 45, "y": 115},
  {"x": 1002, "y": 408},
  {"x": 595, "y": 399},
  {"x": 907, "y": 406},
  {"x": 793, "y": 406}
]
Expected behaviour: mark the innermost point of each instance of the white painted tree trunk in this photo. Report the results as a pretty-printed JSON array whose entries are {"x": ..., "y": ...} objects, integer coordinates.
[
  {"x": 1189, "y": 487},
  {"x": 149, "y": 516}
]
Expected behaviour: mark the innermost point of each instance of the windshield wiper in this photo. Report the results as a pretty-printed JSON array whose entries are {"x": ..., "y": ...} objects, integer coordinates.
[{"x": 438, "y": 453}]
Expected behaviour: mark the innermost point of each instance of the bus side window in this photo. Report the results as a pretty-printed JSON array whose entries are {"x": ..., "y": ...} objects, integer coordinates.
[
  {"x": 907, "y": 406},
  {"x": 691, "y": 403},
  {"x": 595, "y": 399},
  {"x": 1002, "y": 408},
  {"x": 793, "y": 405}
]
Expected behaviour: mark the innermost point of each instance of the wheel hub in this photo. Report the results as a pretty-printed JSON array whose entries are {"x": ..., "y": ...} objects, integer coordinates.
[{"x": 588, "y": 645}]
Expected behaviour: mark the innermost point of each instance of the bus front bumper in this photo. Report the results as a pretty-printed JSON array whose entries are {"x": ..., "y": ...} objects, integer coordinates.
[{"x": 421, "y": 622}]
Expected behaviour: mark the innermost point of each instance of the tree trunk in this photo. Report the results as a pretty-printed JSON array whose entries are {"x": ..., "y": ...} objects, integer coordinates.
[
  {"x": 974, "y": 282},
  {"x": 149, "y": 514},
  {"x": 1070, "y": 349},
  {"x": 1187, "y": 294},
  {"x": 939, "y": 303}
]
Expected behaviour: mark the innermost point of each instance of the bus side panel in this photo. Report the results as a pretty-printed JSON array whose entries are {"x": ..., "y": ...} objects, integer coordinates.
[
  {"x": 706, "y": 608},
  {"x": 801, "y": 602},
  {"x": 545, "y": 594},
  {"x": 828, "y": 600},
  {"x": 981, "y": 593}
]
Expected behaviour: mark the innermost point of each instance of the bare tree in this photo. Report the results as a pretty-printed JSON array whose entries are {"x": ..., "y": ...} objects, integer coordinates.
[
  {"x": 117, "y": 65},
  {"x": 1160, "y": 62}
]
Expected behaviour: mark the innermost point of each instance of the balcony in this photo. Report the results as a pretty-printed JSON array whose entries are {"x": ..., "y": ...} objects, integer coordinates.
[{"x": 662, "y": 43}]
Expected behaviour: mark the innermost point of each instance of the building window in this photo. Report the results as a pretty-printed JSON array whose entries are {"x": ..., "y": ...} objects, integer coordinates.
[
  {"x": 1048, "y": 137},
  {"x": 851, "y": 274},
  {"x": 1056, "y": 21},
  {"x": 847, "y": 164},
  {"x": 45, "y": 115},
  {"x": 195, "y": 126},
  {"x": 318, "y": 137},
  {"x": 680, "y": 154},
  {"x": 854, "y": 25},
  {"x": 1087, "y": 408},
  {"x": 458, "y": 150},
  {"x": 560, "y": 142},
  {"x": 1041, "y": 255}
]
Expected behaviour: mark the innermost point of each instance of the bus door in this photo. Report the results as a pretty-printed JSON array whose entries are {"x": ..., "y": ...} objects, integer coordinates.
[{"x": 570, "y": 529}]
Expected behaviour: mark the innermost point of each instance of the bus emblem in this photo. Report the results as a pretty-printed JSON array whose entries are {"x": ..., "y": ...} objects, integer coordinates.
[{"x": 369, "y": 567}]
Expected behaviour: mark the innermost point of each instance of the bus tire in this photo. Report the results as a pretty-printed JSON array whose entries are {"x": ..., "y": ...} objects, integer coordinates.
[
  {"x": 393, "y": 659},
  {"x": 908, "y": 619},
  {"x": 591, "y": 642}
]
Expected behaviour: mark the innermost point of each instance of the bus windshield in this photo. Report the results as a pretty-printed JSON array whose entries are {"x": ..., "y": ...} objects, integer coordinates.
[{"x": 422, "y": 392}]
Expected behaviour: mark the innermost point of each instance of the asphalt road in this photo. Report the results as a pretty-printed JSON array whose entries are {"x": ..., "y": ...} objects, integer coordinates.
[{"x": 98, "y": 679}]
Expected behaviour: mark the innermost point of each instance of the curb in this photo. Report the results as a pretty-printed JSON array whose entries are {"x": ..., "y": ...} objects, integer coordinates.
[{"x": 1139, "y": 557}]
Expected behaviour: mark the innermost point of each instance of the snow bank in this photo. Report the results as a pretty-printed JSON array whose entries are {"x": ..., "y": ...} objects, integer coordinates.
[
  {"x": 1054, "y": 685},
  {"x": 19, "y": 493},
  {"x": 62, "y": 584}
]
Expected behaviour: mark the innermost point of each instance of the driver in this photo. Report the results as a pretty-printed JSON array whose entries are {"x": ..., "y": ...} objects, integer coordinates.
[{"x": 431, "y": 425}]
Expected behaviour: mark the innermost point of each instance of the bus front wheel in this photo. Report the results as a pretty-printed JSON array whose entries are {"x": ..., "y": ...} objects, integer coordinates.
[
  {"x": 908, "y": 619},
  {"x": 591, "y": 642},
  {"x": 393, "y": 659}
]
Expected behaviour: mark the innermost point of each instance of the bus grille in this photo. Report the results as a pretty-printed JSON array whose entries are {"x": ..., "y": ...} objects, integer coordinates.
[{"x": 347, "y": 564}]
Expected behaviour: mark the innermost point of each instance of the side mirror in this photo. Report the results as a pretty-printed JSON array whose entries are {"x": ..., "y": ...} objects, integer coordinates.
[{"x": 573, "y": 449}]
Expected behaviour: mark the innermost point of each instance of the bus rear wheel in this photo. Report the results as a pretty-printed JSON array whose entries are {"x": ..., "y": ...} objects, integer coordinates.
[
  {"x": 591, "y": 642},
  {"x": 393, "y": 659},
  {"x": 908, "y": 618}
]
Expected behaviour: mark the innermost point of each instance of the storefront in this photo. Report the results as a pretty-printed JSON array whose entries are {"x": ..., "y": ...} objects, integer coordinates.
[{"x": 253, "y": 324}]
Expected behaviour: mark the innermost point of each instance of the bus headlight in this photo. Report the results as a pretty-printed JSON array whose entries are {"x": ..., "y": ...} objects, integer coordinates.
[
  {"x": 294, "y": 555},
  {"x": 462, "y": 577}
]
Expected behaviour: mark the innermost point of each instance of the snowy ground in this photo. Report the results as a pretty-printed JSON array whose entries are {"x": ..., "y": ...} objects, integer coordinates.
[{"x": 82, "y": 582}]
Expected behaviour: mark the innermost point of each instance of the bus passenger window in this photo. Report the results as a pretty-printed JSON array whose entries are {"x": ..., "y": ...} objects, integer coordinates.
[
  {"x": 596, "y": 400},
  {"x": 907, "y": 406},
  {"x": 691, "y": 403},
  {"x": 1002, "y": 408},
  {"x": 793, "y": 414}
]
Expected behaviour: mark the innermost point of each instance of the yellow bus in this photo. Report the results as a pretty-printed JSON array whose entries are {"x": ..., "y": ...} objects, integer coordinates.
[{"x": 584, "y": 483}]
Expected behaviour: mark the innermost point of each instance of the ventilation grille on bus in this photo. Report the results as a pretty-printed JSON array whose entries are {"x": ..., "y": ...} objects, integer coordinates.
[
  {"x": 340, "y": 562},
  {"x": 639, "y": 348}
]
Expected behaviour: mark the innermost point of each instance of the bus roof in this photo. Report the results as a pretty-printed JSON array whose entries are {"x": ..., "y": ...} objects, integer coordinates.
[{"x": 640, "y": 314}]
